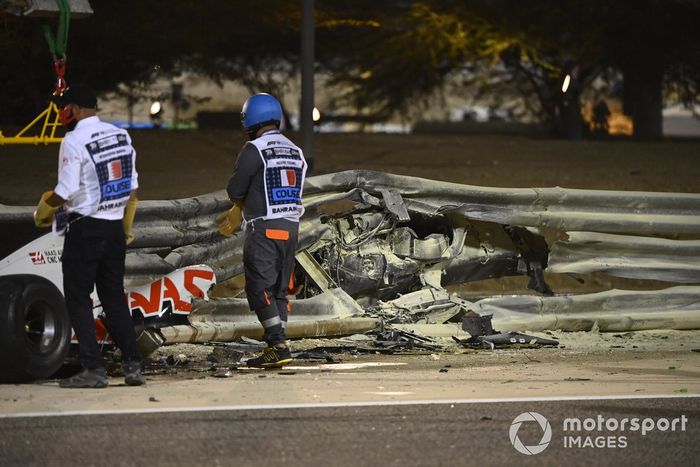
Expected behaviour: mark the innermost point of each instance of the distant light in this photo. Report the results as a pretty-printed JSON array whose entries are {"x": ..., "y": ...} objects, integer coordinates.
[
  {"x": 316, "y": 115},
  {"x": 565, "y": 85},
  {"x": 156, "y": 108}
]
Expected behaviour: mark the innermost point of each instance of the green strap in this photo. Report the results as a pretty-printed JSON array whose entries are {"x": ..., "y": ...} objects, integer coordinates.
[{"x": 58, "y": 46}]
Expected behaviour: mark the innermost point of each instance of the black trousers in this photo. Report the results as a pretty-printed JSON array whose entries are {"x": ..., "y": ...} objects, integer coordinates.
[
  {"x": 268, "y": 260},
  {"x": 93, "y": 257}
]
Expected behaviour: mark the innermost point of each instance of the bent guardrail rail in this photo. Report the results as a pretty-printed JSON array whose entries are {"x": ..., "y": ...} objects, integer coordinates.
[{"x": 639, "y": 235}]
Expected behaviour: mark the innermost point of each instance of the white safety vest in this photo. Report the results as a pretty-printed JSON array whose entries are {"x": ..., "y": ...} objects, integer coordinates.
[
  {"x": 96, "y": 171},
  {"x": 284, "y": 173}
]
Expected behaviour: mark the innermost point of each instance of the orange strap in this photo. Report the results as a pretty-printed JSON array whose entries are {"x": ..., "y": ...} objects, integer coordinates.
[{"x": 275, "y": 234}]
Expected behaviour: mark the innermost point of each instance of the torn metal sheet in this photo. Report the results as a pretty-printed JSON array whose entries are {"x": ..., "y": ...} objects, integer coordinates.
[
  {"x": 429, "y": 305},
  {"x": 394, "y": 204}
]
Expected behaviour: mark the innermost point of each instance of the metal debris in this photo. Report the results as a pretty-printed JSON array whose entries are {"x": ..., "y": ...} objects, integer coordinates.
[{"x": 393, "y": 340}]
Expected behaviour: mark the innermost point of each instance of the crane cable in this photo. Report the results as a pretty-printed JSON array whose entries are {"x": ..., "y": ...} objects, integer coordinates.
[
  {"x": 49, "y": 118},
  {"x": 59, "y": 44}
]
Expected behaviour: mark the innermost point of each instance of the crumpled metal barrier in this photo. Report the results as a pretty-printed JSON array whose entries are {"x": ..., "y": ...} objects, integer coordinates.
[
  {"x": 559, "y": 208},
  {"x": 188, "y": 230},
  {"x": 627, "y": 256},
  {"x": 180, "y": 221},
  {"x": 332, "y": 313},
  {"x": 612, "y": 310},
  {"x": 174, "y": 233}
]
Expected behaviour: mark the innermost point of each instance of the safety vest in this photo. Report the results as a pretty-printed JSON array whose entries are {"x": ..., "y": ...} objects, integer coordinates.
[
  {"x": 112, "y": 157},
  {"x": 284, "y": 173},
  {"x": 107, "y": 174}
]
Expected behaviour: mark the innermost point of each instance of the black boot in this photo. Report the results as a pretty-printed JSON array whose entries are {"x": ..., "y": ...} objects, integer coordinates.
[
  {"x": 132, "y": 373},
  {"x": 95, "y": 378}
]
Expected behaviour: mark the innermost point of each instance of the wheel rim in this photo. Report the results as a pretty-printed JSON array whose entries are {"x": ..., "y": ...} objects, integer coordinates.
[{"x": 40, "y": 326}]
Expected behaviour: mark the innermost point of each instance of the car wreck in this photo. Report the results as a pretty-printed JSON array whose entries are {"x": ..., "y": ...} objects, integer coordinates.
[{"x": 380, "y": 252}]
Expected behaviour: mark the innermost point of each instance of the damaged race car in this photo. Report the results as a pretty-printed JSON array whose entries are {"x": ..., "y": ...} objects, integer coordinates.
[
  {"x": 376, "y": 253},
  {"x": 35, "y": 331}
]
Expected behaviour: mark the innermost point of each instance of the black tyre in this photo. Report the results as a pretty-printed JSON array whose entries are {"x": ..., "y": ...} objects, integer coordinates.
[{"x": 34, "y": 328}]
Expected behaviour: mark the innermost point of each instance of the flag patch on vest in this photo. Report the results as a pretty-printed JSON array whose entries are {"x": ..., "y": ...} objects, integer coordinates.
[
  {"x": 114, "y": 170},
  {"x": 288, "y": 177}
]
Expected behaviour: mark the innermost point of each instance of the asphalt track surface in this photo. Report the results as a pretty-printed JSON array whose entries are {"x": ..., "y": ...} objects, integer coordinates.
[{"x": 428, "y": 434}]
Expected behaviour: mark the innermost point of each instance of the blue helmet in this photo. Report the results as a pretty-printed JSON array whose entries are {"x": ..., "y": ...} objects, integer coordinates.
[{"x": 260, "y": 110}]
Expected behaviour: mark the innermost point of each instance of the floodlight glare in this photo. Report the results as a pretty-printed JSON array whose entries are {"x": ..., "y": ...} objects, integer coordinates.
[
  {"x": 156, "y": 108},
  {"x": 565, "y": 84}
]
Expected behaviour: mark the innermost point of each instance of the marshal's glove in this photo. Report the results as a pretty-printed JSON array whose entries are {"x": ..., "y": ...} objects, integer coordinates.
[
  {"x": 43, "y": 216},
  {"x": 230, "y": 220},
  {"x": 128, "y": 219}
]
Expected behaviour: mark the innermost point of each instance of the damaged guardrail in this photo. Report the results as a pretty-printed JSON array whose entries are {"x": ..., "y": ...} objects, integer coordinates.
[
  {"x": 612, "y": 310},
  {"x": 627, "y": 256},
  {"x": 614, "y": 232},
  {"x": 332, "y": 313},
  {"x": 174, "y": 233},
  {"x": 558, "y": 208}
]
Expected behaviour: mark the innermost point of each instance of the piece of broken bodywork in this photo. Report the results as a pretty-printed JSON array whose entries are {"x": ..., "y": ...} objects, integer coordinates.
[
  {"x": 506, "y": 339},
  {"x": 318, "y": 354},
  {"x": 428, "y": 305},
  {"x": 483, "y": 335},
  {"x": 477, "y": 325},
  {"x": 226, "y": 354},
  {"x": 393, "y": 340},
  {"x": 512, "y": 337}
]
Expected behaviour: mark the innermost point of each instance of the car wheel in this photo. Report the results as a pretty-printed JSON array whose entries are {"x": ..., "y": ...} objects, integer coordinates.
[{"x": 35, "y": 329}]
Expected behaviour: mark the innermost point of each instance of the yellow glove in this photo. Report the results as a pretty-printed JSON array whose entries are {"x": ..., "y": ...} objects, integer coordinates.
[
  {"x": 128, "y": 219},
  {"x": 230, "y": 220},
  {"x": 43, "y": 216}
]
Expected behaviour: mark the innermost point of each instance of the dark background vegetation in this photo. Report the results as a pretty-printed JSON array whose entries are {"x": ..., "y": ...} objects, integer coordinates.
[{"x": 384, "y": 57}]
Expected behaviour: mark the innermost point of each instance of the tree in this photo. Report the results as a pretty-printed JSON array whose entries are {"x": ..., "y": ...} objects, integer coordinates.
[
  {"x": 383, "y": 57},
  {"x": 418, "y": 45},
  {"x": 657, "y": 47},
  {"x": 528, "y": 47}
]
